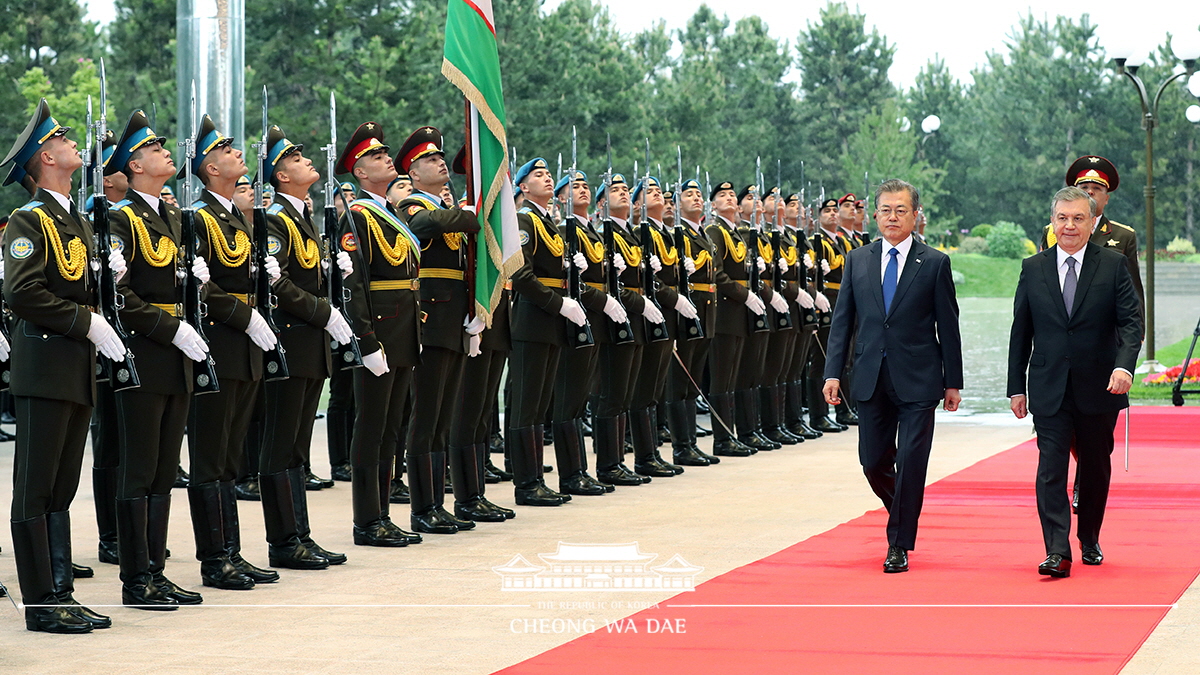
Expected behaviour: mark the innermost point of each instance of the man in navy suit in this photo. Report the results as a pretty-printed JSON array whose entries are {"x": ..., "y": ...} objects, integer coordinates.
[
  {"x": 897, "y": 295},
  {"x": 1077, "y": 330}
]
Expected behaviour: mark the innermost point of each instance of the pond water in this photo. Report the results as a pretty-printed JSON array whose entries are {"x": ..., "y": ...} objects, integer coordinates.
[{"x": 985, "y": 323}]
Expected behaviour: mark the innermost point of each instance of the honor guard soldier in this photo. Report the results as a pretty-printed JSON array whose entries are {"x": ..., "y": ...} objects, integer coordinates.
[
  {"x": 168, "y": 195},
  {"x": 684, "y": 373},
  {"x": 51, "y": 294},
  {"x": 339, "y": 415},
  {"x": 306, "y": 323},
  {"x": 735, "y": 305},
  {"x": 541, "y": 313},
  {"x": 652, "y": 377},
  {"x": 238, "y": 336},
  {"x": 781, "y": 344},
  {"x": 805, "y": 320},
  {"x": 152, "y": 417},
  {"x": 830, "y": 253},
  {"x": 845, "y": 222},
  {"x": 399, "y": 189},
  {"x": 448, "y": 329},
  {"x": 385, "y": 309},
  {"x": 860, "y": 215}
]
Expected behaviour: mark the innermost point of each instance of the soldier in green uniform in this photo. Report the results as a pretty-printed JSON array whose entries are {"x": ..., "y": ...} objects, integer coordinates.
[
  {"x": 830, "y": 252},
  {"x": 805, "y": 320},
  {"x": 306, "y": 323},
  {"x": 153, "y": 416},
  {"x": 238, "y": 336},
  {"x": 781, "y": 344},
  {"x": 51, "y": 294}
]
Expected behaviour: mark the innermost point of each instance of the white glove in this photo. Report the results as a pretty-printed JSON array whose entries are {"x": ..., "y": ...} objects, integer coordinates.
[
  {"x": 689, "y": 266},
  {"x": 3, "y": 342},
  {"x": 822, "y": 302},
  {"x": 581, "y": 263},
  {"x": 808, "y": 263},
  {"x": 260, "y": 333},
  {"x": 105, "y": 338},
  {"x": 338, "y": 329},
  {"x": 1, "y": 269},
  {"x": 615, "y": 310},
  {"x": 474, "y": 326},
  {"x": 200, "y": 270},
  {"x": 652, "y": 313},
  {"x": 272, "y": 268},
  {"x": 473, "y": 345},
  {"x": 779, "y": 303},
  {"x": 783, "y": 265},
  {"x": 376, "y": 363},
  {"x": 573, "y": 311},
  {"x": 619, "y": 263},
  {"x": 762, "y": 264},
  {"x": 755, "y": 304},
  {"x": 344, "y": 264},
  {"x": 825, "y": 266},
  {"x": 655, "y": 264},
  {"x": 116, "y": 263},
  {"x": 804, "y": 299},
  {"x": 190, "y": 342},
  {"x": 685, "y": 308}
]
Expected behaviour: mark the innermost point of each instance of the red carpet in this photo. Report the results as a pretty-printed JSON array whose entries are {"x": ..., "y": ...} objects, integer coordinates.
[{"x": 972, "y": 602}]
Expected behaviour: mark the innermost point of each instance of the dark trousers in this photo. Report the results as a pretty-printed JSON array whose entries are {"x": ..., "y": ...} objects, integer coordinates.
[
  {"x": 289, "y": 411},
  {"x": 1093, "y": 440},
  {"x": 894, "y": 438},
  {"x": 619, "y": 365},
  {"x": 573, "y": 384},
  {"x": 724, "y": 359},
  {"x": 51, "y": 435},
  {"x": 340, "y": 407},
  {"x": 217, "y": 430},
  {"x": 533, "y": 366},
  {"x": 106, "y": 441},
  {"x": 652, "y": 376},
  {"x": 692, "y": 353},
  {"x": 754, "y": 360},
  {"x": 435, "y": 391},
  {"x": 379, "y": 414},
  {"x": 798, "y": 366},
  {"x": 477, "y": 398},
  {"x": 151, "y": 432},
  {"x": 781, "y": 348}
]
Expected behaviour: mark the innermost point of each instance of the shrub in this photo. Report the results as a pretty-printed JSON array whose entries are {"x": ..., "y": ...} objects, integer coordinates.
[
  {"x": 1006, "y": 240},
  {"x": 982, "y": 231},
  {"x": 1030, "y": 248},
  {"x": 1181, "y": 245},
  {"x": 973, "y": 245}
]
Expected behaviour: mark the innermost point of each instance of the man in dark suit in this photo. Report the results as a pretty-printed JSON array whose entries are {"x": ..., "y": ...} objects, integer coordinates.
[
  {"x": 1077, "y": 330},
  {"x": 897, "y": 296}
]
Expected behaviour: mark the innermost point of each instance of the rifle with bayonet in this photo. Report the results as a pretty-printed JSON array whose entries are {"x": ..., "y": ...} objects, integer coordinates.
[
  {"x": 622, "y": 332},
  {"x": 758, "y": 322},
  {"x": 204, "y": 374},
  {"x": 121, "y": 374},
  {"x": 577, "y": 336},
  {"x": 783, "y": 320},
  {"x": 691, "y": 329},
  {"x": 655, "y": 332},
  {"x": 823, "y": 318},
  {"x": 866, "y": 231},
  {"x": 275, "y": 358},
  {"x": 349, "y": 355}
]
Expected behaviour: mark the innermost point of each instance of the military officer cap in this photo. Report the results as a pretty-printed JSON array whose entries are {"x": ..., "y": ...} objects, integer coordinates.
[
  {"x": 650, "y": 181},
  {"x": 368, "y": 137},
  {"x": 580, "y": 177},
  {"x": 268, "y": 191},
  {"x": 208, "y": 138},
  {"x": 859, "y": 204},
  {"x": 793, "y": 197},
  {"x": 398, "y": 179},
  {"x": 278, "y": 147},
  {"x": 108, "y": 147},
  {"x": 720, "y": 187},
  {"x": 848, "y": 197},
  {"x": 243, "y": 180},
  {"x": 19, "y": 175},
  {"x": 617, "y": 179},
  {"x": 166, "y": 190},
  {"x": 669, "y": 195},
  {"x": 746, "y": 191},
  {"x": 137, "y": 134},
  {"x": 528, "y": 168},
  {"x": 1093, "y": 169},
  {"x": 423, "y": 142},
  {"x": 828, "y": 203},
  {"x": 41, "y": 128},
  {"x": 350, "y": 187},
  {"x": 690, "y": 184}
]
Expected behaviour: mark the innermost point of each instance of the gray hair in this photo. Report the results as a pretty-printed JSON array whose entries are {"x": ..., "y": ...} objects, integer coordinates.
[
  {"x": 1071, "y": 194},
  {"x": 897, "y": 185}
]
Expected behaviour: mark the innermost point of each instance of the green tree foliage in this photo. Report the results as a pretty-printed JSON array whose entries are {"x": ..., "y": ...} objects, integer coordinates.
[
  {"x": 1006, "y": 240},
  {"x": 141, "y": 68}
]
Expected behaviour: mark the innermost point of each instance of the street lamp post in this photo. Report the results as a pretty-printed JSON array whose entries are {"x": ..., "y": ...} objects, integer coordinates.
[{"x": 1149, "y": 121}]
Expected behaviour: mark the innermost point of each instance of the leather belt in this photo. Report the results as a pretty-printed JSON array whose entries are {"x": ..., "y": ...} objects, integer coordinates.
[
  {"x": 833, "y": 285},
  {"x": 247, "y": 298},
  {"x": 170, "y": 308},
  {"x": 396, "y": 285},
  {"x": 552, "y": 282},
  {"x": 635, "y": 289},
  {"x": 440, "y": 273},
  {"x": 595, "y": 284},
  {"x": 743, "y": 282},
  {"x": 706, "y": 288}
]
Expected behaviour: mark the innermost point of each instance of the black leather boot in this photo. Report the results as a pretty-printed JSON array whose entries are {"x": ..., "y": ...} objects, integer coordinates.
[
  {"x": 369, "y": 529},
  {"x": 689, "y": 406},
  {"x": 284, "y": 548},
  {"x": 770, "y": 406},
  {"x": 585, "y": 477},
  {"x": 231, "y": 530},
  {"x": 525, "y": 444},
  {"x": 300, "y": 508},
  {"x": 748, "y": 413},
  {"x": 216, "y": 570},
  {"x": 104, "y": 490},
  {"x": 466, "y": 473},
  {"x": 31, "y": 549},
  {"x": 681, "y": 436},
  {"x": 794, "y": 411},
  {"x": 247, "y": 489},
  {"x": 846, "y": 415},
  {"x": 397, "y": 463},
  {"x": 427, "y": 479},
  {"x": 182, "y": 479},
  {"x": 645, "y": 443},
  {"x": 138, "y": 589},
  {"x": 608, "y": 438},
  {"x": 58, "y": 530},
  {"x": 572, "y": 479},
  {"x": 158, "y": 517},
  {"x": 818, "y": 409},
  {"x": 724, "y": 444},
  {"x": 338, "y": 438}
]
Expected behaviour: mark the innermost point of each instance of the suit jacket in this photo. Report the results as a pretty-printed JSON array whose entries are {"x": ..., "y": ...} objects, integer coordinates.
[
  {"x": 302, "y": 310},
  {"x": 1114, "y": 236},
  {"x": 919, "y": 334},
  {"x": 1103, "y": 332}
]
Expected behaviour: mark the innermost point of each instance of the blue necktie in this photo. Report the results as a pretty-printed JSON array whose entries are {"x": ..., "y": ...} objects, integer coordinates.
[{"x": 889, "y": 279}]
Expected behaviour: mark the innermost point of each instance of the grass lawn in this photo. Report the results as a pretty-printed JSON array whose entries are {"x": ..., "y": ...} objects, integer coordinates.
[
  {"x": 1170, "y": 356},
  {"x": 985, "y": 277}
]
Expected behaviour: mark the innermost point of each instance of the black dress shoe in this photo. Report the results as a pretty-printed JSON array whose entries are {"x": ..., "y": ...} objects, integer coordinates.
[
  {"x": 399, "y": 493},
  {"x": 701, "y": 432},
  {"x": 220, "y": 573},
  {"x": 702, "y": 406},
  {"x": 1092, "y": 555},
  {"x": 182, "y": 479},
  {"x": 479, "y": 510},
  {"x": 340, "y": 472},
  {"x": 460, "y": 523},
  {"x": 826, "y": 425},
  {"x": 431, "y": 521},
  {"x": 801, "y": 429},
  {"x": 147, "y": 596},
  {"x": 258, "y": 574},
  {"x": 730, "y": 448},
  {"x": 492, "y": 468},
  {"x": 375, "y": 534},
  {"x": 108, "y": 552},
  {"x": 311, "y": 479},
  {"x": 82, "y": 572},
  {"x": 576, "y": 485},
  {"x": 537, "y": 494},
  {"x": 587, "y": 480},
  {"x": 55, "y": 620},
  {"x": 847, "y": 419},
  {"x": 295, "y": 556},
  {"x": 689, "y": 456},
  {"x": 621, "y": 475},
  {"x": 180, "y": 595},
  {"x": 96, "y": 620},
  {"x": 653, "y": 468},
  {"x": 1055, "y": 565},
  {"x": 333, "y": 558},
  {"x": 394, "y": 530},
  {"x": 896, "y": 561},
  {"x": 248, "y": 490}
]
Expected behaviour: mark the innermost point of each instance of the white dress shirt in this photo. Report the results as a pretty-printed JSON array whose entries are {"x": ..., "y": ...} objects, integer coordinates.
[
  {"x": 904, "y": 247},
  {"x": 1062, "y": 265},
  {"x": 151, "y": 200}
]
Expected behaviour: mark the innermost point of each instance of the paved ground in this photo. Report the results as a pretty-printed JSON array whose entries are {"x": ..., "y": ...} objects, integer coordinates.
[{"x": 438, "y": 607}]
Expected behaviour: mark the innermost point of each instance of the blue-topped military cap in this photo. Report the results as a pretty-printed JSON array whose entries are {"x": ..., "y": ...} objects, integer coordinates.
[
  {"x": 278, "y": 147},
  {"x": 617, "y": 179},
  {"x": 348, "y": 186},
  {"x": 650, "y": 181},
  {"x": 690, "y": 184},
  {"x": 580, "y": 177},
  {"x": 528, "y": 168},
  {"x": 208, "y": 138},
  {"x": 41, "y": 128},
  {"x": 108, "y": 148},
  {"x": 166, "y": 190},
  {"x": 243, "y": 180},
  {"x": 137, "y": 134}
]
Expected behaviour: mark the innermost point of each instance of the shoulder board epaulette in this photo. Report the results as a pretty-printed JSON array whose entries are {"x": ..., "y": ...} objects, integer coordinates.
[
  {"x": 526, "y": 210},
  {"x": 199, "y": 204},
  {"x": 275, "y": 209},
  {"x": 424, "y": 201},
  {"x": 1113, "y": 222},
  {"x": 30, "y": 206},
  {"x": 121, "y": 204}
]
